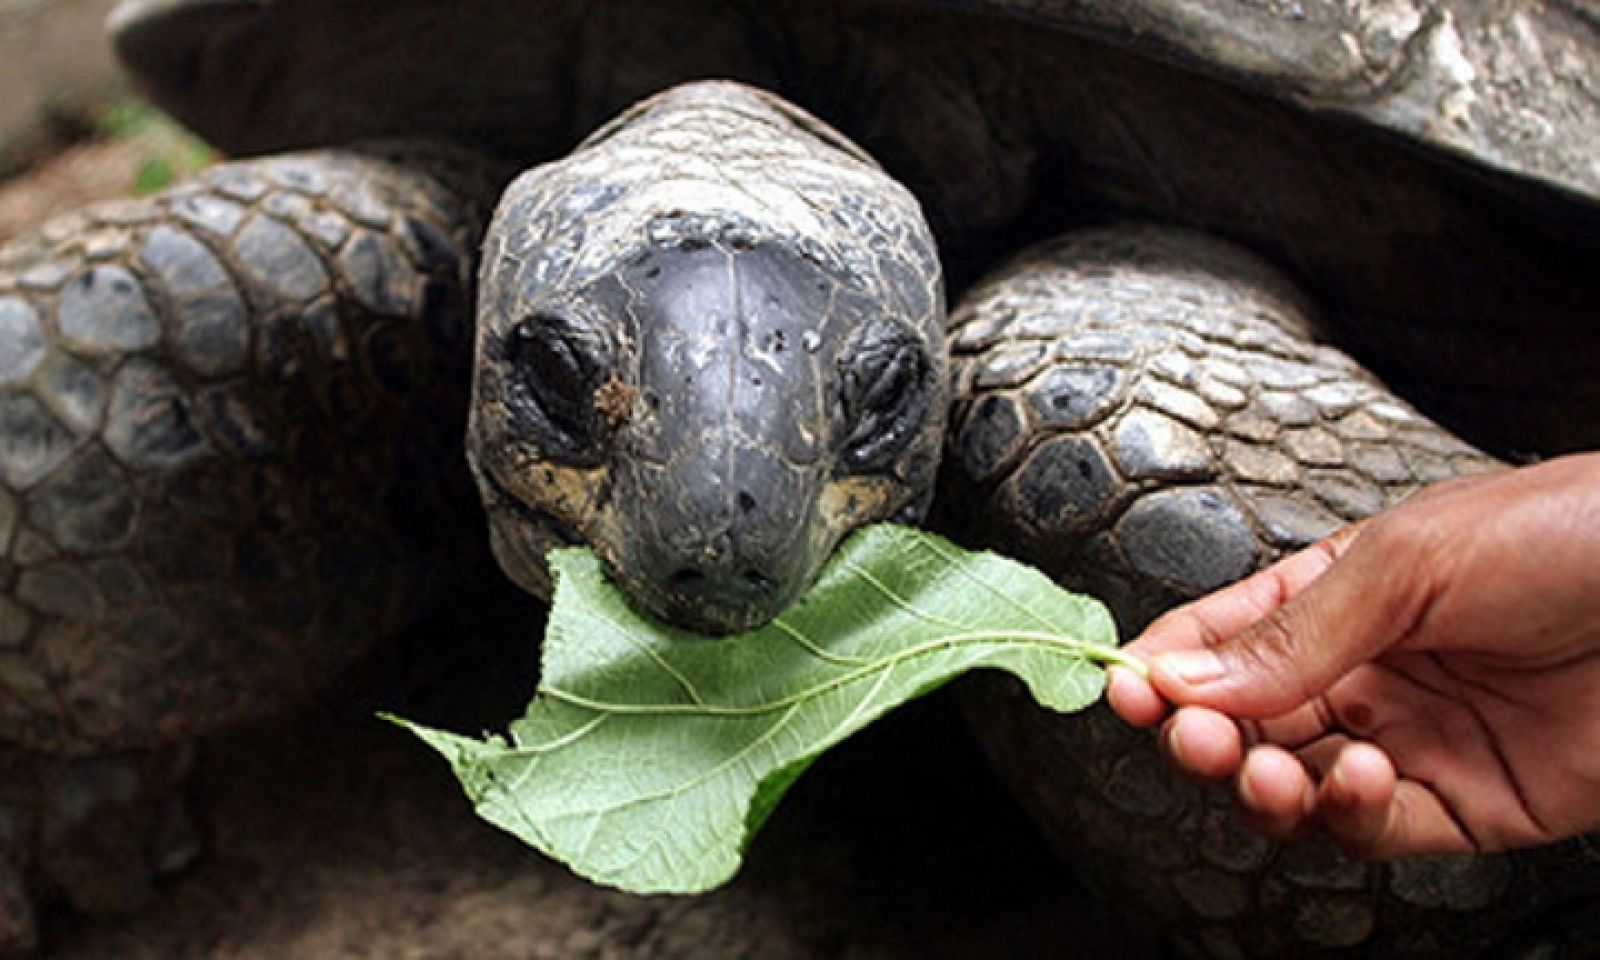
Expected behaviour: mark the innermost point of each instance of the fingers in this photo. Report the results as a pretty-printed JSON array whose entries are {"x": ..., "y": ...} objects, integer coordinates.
[
  {"x": 1203, "y": 744},
  {"x": 1356, "y": 801},
  {"x": 1275, "y": 794},
  {"x": 1337, "y": 605},
  {"x": 1373, "y": 815},
  {"x": 1133, "y": 699},
  {"x": 1212, "y": 619},
  {"x": 1346, "y": 788},
  {"x": 1349, "y": 791},
  {"x": 1210, "y": 622},
  {"x": 1363, "y": 636}
]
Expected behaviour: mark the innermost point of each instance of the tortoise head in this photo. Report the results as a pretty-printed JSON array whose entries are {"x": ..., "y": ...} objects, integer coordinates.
[{"x": 710, "y": 345}]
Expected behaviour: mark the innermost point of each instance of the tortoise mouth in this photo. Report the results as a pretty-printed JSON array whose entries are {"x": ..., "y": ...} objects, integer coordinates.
[
  {"x": 715, "y": 606},
  {"x": 708, "y": 389},
  {"x": 717, "y": 545}
]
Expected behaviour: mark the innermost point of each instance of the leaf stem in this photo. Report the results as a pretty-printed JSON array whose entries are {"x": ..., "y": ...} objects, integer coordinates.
[
  {"x": 1059, "y": 643},
  {"x": 1116, "y": 657}
]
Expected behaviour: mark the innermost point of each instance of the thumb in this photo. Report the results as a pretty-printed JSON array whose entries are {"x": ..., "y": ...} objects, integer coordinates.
[{"x": 1339, "y": 604}]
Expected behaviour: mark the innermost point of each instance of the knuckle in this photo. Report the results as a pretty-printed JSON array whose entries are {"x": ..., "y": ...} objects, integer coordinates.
[
  {"x": 1275, "y": 647},
  {"x": 1274, "y": 640}
]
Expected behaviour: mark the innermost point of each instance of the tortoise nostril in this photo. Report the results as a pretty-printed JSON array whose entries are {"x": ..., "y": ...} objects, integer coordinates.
[
  {"x": 694, "y": 580},
  {"x": 688, "y": 577}
]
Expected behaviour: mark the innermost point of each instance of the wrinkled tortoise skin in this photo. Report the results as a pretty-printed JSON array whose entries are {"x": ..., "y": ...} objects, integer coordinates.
[
  {"x": 1306, "y": 131},
  {"x": 227, "y": 415},
  {"x": 722, "y": 260},
  {"x": 1144, "y": 413},
  {"x": 1148, "y": 408},
  {"x": 267, "y": 433}
]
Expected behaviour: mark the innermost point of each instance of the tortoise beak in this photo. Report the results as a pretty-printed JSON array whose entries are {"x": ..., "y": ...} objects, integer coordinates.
[{"x": 721, "y": 539}]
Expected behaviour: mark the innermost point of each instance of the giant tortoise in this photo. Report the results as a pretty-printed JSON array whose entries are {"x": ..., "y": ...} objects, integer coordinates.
[{"x": 713, "y": 339}]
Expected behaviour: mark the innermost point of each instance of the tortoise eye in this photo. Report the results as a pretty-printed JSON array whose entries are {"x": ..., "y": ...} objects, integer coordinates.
[
  {"x": 885, "y": 389},
  {"x": 554, "y": 366}
]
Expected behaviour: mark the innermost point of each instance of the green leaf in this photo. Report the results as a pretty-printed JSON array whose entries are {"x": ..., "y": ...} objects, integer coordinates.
[
  {"x": 154, "y": 174},
  {"x": 650, "y": 755},
  {"x": 166, "y": 152}
]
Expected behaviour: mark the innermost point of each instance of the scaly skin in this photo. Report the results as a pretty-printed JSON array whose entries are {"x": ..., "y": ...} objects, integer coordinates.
[
  {"x": 679, "y": 329},
  {"x": 1009, "y": 130},
  {"x": 1144, "y": 413},
  {"x": 230, "y": 421},
  {"x": 200, "y": 394},
  {"x": 1503, "y": 83},
  {"x": 97, "y": 832},
  {"x": 1143, "y": 435}
]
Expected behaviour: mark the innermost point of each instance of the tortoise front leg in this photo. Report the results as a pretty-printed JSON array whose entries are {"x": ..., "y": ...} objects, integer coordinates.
[
  {"x": 96, "y": 831},
  {"x": 1146, "y": 414},
  {"x": 230, "y": 456}
]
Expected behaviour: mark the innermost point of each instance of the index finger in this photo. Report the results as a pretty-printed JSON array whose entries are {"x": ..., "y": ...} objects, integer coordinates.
[{"x": 1214, "y": 618}]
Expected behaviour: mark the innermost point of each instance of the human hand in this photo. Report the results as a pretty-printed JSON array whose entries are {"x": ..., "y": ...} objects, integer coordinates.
[{"x": 1426, "y": 681}]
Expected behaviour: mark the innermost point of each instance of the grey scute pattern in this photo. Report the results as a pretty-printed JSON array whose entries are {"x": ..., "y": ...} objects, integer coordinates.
[
  {"x": 1150, "y": 444},
  {"x": 85, "y": 507},
  {"x": 73, "y": 390},
  {"x": 1196, "y": 539},
  {"x": 1253, "y": 428},
  {"x": 1073, "y": 396},
  {"x": 280, "y": 260},
  {"x": 181, "y": 262},
  {"x": 240, "y": 183},
  {"x": 105, "y": 309},
  {"x": 1346, "y": 493},
  {"x": 1255, "y": 462},
  {"x": 1010, "y": 365},
  {"x": 151, "y": 424},
  {"x": 1314, "y": 446},
  {"x": 32, "y": 441},
  {"x": 1066, "y": 484},
  {"x": 1197, "y": 489},
  {"x": 210, "y": 212},
  {"x": 1289, "y": 522},
  {"x": 1337, "y": 446},
  {"x": 214, "y": 334},
  {"x": 998, "y": 433},
  {"x": 153, "y": 489},
  {"x": 1288, "y": 409},
  {"x": 21, "y": 344},
  {"x": 1189, "y": 407},
  {"x": 1379, "y": 462},
  {"x": 44, "y": 276},
  {"x": 377, "y": 271}
]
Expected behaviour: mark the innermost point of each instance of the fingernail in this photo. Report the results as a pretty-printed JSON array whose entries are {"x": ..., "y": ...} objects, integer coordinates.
[
  {"x": 1339, "y": 793},
  {"x": 1246, "y": 791},
  {"x": 1170, "y": 743},
  {"x": 1192, "y": 667}
]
